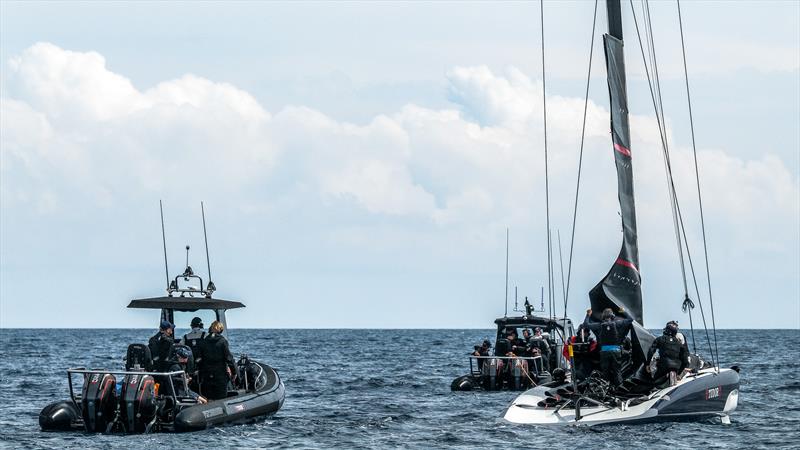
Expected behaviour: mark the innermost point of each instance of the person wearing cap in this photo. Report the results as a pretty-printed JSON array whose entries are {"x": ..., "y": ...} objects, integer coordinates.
[
  {"x": 192, "y": 338},
  {"x": 161, "y": 346},
  {"x": 216, "y": 363},
  {"x": 181, "y": 381}
]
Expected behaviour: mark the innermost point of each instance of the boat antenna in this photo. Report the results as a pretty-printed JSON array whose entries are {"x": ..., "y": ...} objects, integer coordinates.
[
  {"x": 516, "y": 306},
  {"x": 211, "y": 288},
  {"x": 164, "y": 242},
  {"x": 187, "y": 258},
  {"x": 506, "y": 313}
]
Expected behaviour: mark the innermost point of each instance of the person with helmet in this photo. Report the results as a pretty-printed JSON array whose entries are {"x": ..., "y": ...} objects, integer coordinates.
[
  {"x": 216, "y": 363},
  {"x": 161, "y": 346},
  {"x": 584, "y": 349},
  {"x": 673, "y": 355},
  {"x": 192, "y": 338},
  {"x": 181, "y": 381},
  {"x": 611, "y": 333}
]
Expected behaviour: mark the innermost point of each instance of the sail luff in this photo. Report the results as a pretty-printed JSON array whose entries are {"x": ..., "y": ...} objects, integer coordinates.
[{"x": 621, "y": 287}]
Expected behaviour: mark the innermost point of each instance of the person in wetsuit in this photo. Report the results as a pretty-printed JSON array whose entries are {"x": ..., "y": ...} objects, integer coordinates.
[
  {"x": 181, "y": 382},
  {"x": 584, "y": 349},
  {"x": 161, "y": 346},
  {"x": 611, "y": 333},
  {"x": 673, "y": 354},
  {"x": 216, "y": 363}
]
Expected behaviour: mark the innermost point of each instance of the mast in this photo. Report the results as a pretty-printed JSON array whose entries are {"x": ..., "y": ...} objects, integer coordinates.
[{"x": 621, "y": 287}]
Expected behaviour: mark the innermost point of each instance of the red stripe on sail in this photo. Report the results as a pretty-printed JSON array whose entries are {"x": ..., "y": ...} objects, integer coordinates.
[
  {"x": 622, "y": 150},
  {"x": 622, "y": 262}
]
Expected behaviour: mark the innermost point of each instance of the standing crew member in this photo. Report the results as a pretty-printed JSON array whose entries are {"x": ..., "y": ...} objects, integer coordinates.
[
  {"x": 610, "y": 334},
  {"x": 584, "y": 347},
  {"x": 193, "y": 338},
  {"x": 216, "y": 365},
  {"x": 673, "y": 355},
  {"x": 161, "y": 346}
]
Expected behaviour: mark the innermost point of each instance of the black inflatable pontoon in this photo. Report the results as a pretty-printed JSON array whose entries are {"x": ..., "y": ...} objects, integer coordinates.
[{"x": 140, "y": 400}]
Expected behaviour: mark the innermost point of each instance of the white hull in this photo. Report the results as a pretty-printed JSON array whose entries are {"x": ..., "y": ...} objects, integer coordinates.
[{"x": 708, "y": 394}]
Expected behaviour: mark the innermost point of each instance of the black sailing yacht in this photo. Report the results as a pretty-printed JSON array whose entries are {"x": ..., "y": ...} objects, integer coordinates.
[
  {"x": 137, "y": 399},
  {"x": 707, "y": 391}
]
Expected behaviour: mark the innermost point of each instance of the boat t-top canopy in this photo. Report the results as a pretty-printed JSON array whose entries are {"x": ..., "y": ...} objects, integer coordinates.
[{"x": 184, "y": 303}]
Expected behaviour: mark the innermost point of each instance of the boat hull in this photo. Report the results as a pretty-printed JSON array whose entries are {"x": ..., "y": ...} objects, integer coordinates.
[{"x": 707, "y": 394}]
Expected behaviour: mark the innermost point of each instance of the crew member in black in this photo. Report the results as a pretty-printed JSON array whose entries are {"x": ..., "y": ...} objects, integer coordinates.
[
  {"x": 482, "y": 350},
  {"x": 161, "y": 346},
  {"x": 216, "y": 365},
  {"x": 611, "y": 333},
  {"x": 181, "y": 382},
  {"x": 672, "y": 354},
  {"x": 193, "y": 338},
  {"x": 539, "y": 341},
  {"x": 584, "y": 349}
]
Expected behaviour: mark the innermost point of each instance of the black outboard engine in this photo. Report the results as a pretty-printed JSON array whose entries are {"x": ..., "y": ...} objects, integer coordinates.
[
  {"x": 138, "y": 403},
  {"x": 59, "y": 416},
  {"x": 99, "y": 401},
  {"x": 138, "y": 358}
]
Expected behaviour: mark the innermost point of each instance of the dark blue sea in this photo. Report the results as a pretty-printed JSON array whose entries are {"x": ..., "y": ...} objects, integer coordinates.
[{"x": 388, "y": 389}]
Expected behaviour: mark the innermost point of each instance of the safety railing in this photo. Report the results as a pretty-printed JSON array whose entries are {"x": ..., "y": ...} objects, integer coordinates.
[{"x": 535, "y": 364}]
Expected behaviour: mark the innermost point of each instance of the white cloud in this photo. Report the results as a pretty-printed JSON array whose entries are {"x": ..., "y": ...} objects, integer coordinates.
[{"x": 75, "y": 132}]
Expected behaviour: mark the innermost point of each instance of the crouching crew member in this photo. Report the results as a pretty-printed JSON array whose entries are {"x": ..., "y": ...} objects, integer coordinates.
[
  {"x": 181, "y": 382},
  {"x": 672, "y": 354},
  {"x": 216, "y": 363},
  {"x": 161, "y": 346},
  {"x": 611, "y": 333}
]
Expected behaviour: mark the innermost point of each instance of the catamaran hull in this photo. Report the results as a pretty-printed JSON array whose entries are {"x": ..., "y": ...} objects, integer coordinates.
[{"x": 708, "y": 394}]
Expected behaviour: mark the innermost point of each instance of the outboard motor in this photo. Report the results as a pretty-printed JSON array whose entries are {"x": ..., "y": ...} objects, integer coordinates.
[
  {"x": 59, "y": 416},
  {"x": 138, "y": 403},
  {"x": 99, "y": 401},
  {"x": 138, "y": 358}
]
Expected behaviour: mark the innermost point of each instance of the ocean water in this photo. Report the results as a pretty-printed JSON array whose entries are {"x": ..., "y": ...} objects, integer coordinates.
[{"x": 388, "y": 389}]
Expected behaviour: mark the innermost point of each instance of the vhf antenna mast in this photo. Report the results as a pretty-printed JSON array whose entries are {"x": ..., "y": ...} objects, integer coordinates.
[
  {"x": 506, "y": 314},
  {"x": 211, "y": 288},
  {"x": 164, "y": 241}
]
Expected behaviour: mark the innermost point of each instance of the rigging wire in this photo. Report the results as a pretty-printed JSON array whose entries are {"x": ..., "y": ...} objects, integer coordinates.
[
  {"x": 676, "y": 206},
  {"x": 580, "y": 161},
  {"x": 546, "y": 170},
  {"x": 697, "y": 178}
]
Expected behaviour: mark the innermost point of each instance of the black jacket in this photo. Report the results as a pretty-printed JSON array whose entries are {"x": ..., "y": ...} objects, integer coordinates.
[
  {"x": 215, "y": 355},
  {"x": 672, "y": 354},
  {"x": 161, "y": 349},
  {"x": 609, "y": 332}
]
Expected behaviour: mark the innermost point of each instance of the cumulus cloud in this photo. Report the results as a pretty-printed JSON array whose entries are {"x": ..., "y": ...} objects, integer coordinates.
[{"x": 75, "y": 132}]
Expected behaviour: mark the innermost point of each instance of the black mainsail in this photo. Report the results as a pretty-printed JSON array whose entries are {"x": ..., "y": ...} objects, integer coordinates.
[{"x": 621, "y": 287}]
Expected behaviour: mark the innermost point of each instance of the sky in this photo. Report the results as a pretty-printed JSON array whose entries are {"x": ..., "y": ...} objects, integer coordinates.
[{"x": 360, "y": 162}]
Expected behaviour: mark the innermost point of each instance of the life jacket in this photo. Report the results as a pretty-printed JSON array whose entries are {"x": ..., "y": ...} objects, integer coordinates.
[
  {"x": 669, "y": 348},
  {"x": 609, "y": 335},
  {"x": 192, "y": 340}
]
